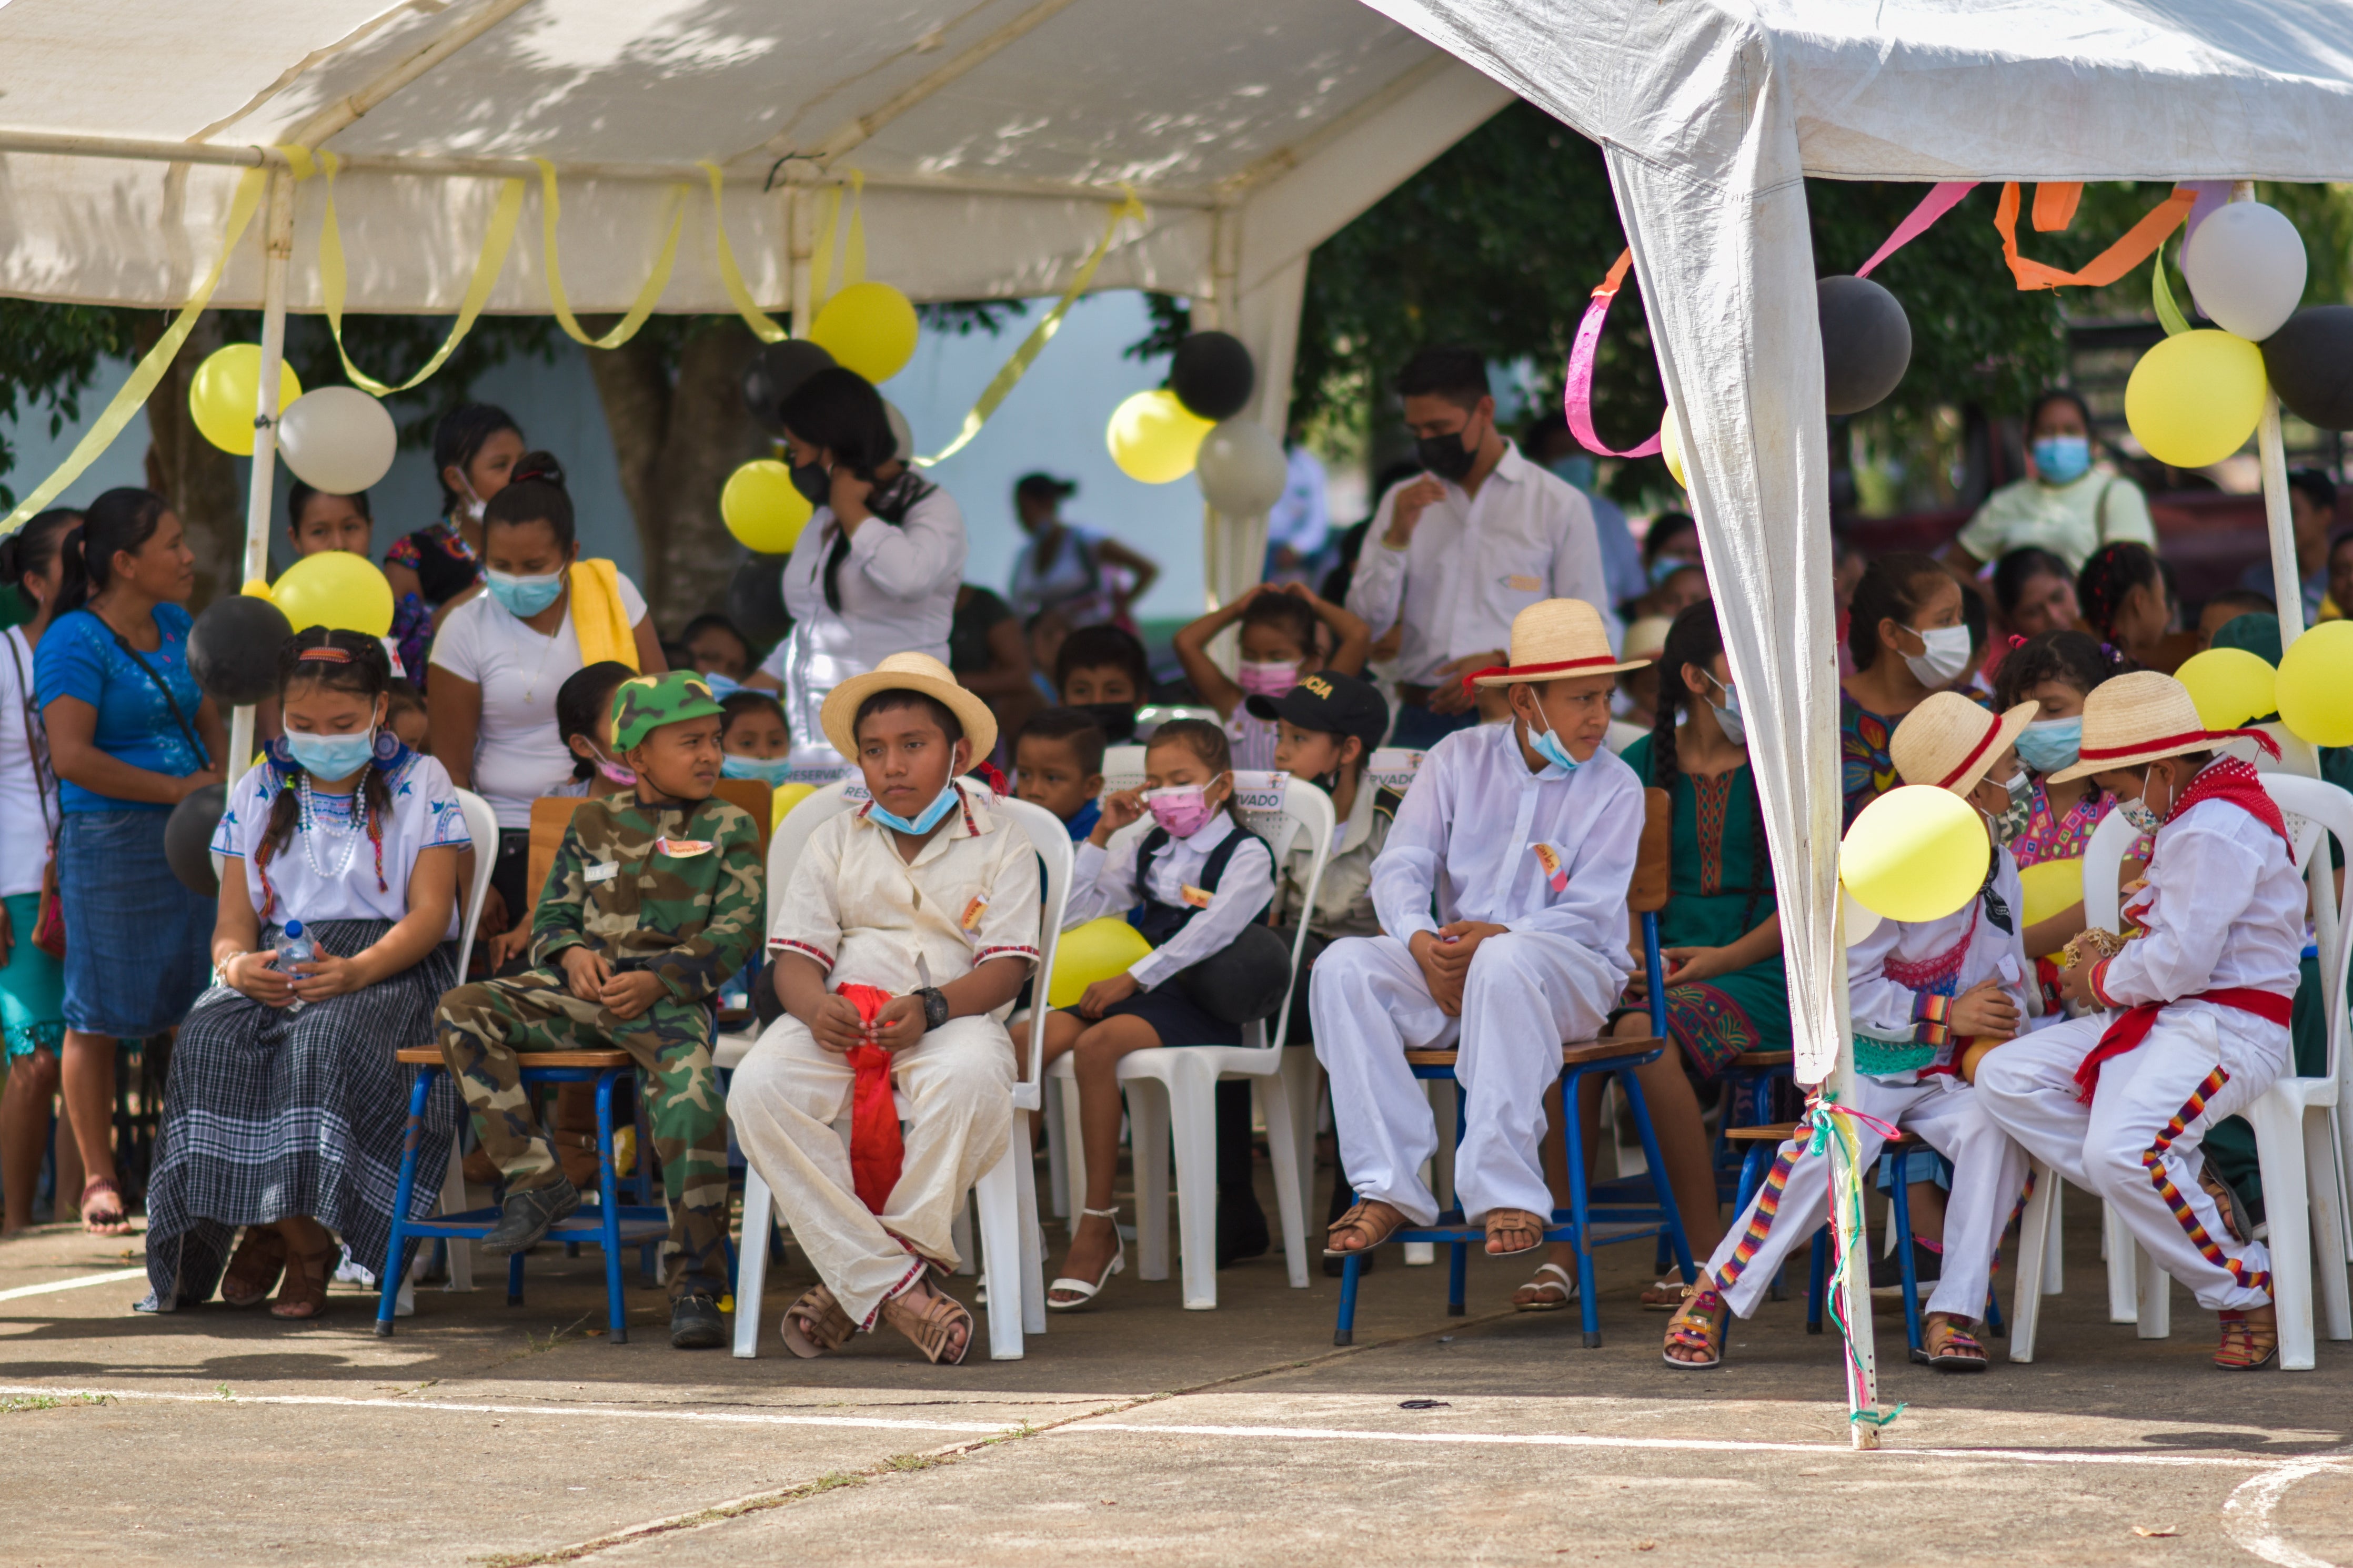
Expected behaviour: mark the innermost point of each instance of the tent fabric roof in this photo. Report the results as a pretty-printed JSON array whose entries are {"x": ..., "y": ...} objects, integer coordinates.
[{"x": 991, "y": 134}]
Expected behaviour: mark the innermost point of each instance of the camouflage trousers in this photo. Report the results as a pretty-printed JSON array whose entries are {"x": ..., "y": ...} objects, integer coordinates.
[{"x": 483, "y": 1025}]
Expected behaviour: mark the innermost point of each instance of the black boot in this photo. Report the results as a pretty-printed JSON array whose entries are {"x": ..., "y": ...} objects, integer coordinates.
[
  {"x": 524, "y": 1217},
  {"x": 694, "y": 1322}
]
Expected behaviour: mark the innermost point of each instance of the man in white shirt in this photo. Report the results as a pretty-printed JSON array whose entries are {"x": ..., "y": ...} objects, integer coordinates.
[
  {"x": 1502, "y": 889},
  {"x": 1481, "y": 536}
]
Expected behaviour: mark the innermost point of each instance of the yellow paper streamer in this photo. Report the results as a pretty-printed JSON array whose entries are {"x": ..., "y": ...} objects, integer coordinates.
[
  {"x": 647, "y": 297},
  {"x": 334, "y": 278},
  {"x": 1014, "y": 369},
  {"x": 150, "y": 370},
  {"x": 764, "y": 326}
]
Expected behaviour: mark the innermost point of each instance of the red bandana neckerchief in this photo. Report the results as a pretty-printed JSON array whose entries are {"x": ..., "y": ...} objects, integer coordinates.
[
  {"x": 876, "y": 1151},
  {"x": 2234, "y": 780}
]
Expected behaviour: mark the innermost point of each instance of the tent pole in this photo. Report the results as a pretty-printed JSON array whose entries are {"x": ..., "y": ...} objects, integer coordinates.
[
  {"x": 2287, "y": 575},
  {"x": 1863, "y": 1370},
  {"x": 280, "y": 239}
]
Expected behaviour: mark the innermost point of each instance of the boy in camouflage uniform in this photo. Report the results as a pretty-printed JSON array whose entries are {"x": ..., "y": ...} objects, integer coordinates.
[{"x": 653, "y": 902}]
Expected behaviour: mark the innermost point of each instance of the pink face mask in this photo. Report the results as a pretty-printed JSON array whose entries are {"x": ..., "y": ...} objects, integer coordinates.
[
  {"x": 1269, "y": 677},
  {"x": 1182, "y": 809},
  {"x": 614, "y": 773}
]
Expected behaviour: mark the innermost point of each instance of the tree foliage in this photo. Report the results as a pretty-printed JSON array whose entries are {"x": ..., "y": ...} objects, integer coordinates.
[{"x": 49, "y": 356}]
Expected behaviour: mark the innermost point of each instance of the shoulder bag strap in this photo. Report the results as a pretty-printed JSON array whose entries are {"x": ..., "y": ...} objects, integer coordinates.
[
  {"x": 44, "y": 781},
  {"x": 2100, "y": 513},
  {"x": 204, "y": 758}
]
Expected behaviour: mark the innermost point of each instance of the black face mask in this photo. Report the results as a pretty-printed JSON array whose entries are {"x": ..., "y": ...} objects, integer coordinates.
[
  {"x": 1446, "y": 456},
  {"x": 813, "y": 482},
  {"x": 1116, "y": 720}
]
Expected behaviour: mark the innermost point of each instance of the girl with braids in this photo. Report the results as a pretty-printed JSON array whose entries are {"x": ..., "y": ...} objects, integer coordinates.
[
  {"x": 1720, "y": 935},
  {"x": 285, "y": 1109},
  {"x": 2122, "y": 591},
  {"x": 1909, "y": 638}
]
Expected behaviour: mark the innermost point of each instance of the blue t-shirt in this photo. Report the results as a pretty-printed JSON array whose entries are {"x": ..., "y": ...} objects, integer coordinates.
[{"x": 78, "y": 656}]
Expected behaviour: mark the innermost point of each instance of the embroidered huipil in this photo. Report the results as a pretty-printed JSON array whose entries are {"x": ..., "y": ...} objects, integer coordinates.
[
  {"x": 1903, "y": 977},
  {"x": 1480, "y": 837},
  {"x": 1103, "y": 882}
]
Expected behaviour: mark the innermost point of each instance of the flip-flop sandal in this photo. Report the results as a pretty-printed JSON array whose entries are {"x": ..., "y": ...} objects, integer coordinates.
[
  {"x": 103, "y": 1223},
  {"x": 1689, "y": 1331},
  {"x": 1361, "y": 1219},
  {"x": 829, "y": 1328},
  {"x": 1666, "y": 1296},
  {"x": 1552, "y": 1295},
  {"x": 928, "y": 1325},
  {"x": 2237, "y": 1350},
  {"x": 1952, "y": 1352},
  {"x": 254, "y": 1271},
  {"x": 1501, "y": 1222}
]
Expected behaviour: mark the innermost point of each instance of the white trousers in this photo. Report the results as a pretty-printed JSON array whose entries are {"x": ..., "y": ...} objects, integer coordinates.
[
  {"x": 1526, "y": 994},
  {"x": 1988, "y": 1174},
  {"x": 956, "y": 1083},
  {"x": 2138, "y": 1143}
]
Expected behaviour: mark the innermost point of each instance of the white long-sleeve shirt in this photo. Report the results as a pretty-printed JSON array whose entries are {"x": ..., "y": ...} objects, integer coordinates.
[
  {"x": 1103, "y": 882},
  {"x": 1449, "y": 856},
  {"x": 1474, "y": 562},
  {"x": 898, "y": 587},
  {"x": 2223, "y": 907},
  {"x": 1886, "y": 1008}
]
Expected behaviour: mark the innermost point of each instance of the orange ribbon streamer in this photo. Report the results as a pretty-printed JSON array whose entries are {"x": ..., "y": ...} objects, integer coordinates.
[
  {"x": 2139, "y": 243},
  {"x": 2054, "y": 204}
]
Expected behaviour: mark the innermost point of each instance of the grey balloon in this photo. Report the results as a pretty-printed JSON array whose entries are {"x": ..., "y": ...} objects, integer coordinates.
[{"x": 1866, "y": 342}]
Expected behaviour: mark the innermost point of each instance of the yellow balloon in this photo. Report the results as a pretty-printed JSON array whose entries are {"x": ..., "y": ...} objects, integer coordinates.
[
  {"x": 2229, "y": 686},
  {"x": 223, "y": 391},
  {"x": 760, "y": 508},
  {"x": 2316, "y": 685},
  {"x": 338, "y": 589},
  {"x": 2194, "y": 398},
  {"x": 256, "y": 587},
  {"x": 788, "y": 796},
  {"x": 1670, "y": 448},
  {"x": 868, "y": 327},
  {"x": 1916, "y": 853},
  {"x": 1154, "y": 438},
  {"x": 1095, "y": 951},
  {"x": 2051, "y": 887}
]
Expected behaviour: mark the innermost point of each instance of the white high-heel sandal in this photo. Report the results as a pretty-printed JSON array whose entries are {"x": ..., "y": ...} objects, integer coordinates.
[{"x": 1081, "y": 1291}]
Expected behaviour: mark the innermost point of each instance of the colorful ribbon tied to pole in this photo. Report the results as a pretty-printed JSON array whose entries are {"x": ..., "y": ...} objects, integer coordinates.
[
  {"x": 876, "y": 1150},
  {"x": 1835, "y": 1138}
]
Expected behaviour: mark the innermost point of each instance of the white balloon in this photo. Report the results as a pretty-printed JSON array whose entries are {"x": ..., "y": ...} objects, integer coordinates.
[
  {"x": 2246, "y": 266},
  {"x": 1241, "y": 468},
  {"x": 337, "y": 439},
  {"x": 902, "y": 433},
  {"x": 1860, "y": 921}
]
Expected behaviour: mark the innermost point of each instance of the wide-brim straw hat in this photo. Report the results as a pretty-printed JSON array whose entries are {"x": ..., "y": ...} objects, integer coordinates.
[
  {"x": 1556, "y": 639},
  {"x": 1949, "y": 742},
  {"x": 1646, "y": 637},
  {"x": 906, "y": 672},
  {"x": 2136, "y": 718}
]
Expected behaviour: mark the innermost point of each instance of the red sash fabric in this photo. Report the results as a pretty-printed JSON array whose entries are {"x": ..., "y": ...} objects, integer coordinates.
[
  {"x": 2234, "y": 779},
  {"x": 876, "y": 1150},
  {"x": 2132, "y": 1027}
]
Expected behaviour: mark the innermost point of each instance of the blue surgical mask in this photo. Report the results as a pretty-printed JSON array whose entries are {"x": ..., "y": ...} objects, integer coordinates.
[
  {"x": 1577, "y": 471},
  {"x": 523, "y": 598},
  {"x": 1665, "y": 567},
  {"x": 1547, "y": 746},
  {"x": 2049, "y": 744},
  {"x": 2061, "y": 459},
  {"x": 922, "y": 824},
  {"x": 331, "y": 756},
  {"x": 1727, "y": 717},
  {"x": 769, "y": 771}
]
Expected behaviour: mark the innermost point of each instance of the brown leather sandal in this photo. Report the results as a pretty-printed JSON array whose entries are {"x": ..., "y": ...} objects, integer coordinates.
[
  {"x": 816, "y": 1324},
  {"x": 303, "y": 1297},
  {"x": 1368, "y": 1221},
  {"x": 928, "y": 1319},
  {"x": 2247, "y": 1343},
  {"x": 254, "y": 1270},
  {"x": 1504, "y": 1224}
]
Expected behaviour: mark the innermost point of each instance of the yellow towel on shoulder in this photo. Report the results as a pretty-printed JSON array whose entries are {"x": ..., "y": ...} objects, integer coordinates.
[{"x": 597, "y": 617}]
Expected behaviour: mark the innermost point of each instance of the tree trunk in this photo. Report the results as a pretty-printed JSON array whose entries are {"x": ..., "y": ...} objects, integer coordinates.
[
  {"x": 198, "y": 478},
  {"x": 677, "y": 432}
]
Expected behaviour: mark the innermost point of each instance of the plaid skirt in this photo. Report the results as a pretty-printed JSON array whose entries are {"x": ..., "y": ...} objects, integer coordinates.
[{"x": 267, "y": 1113}]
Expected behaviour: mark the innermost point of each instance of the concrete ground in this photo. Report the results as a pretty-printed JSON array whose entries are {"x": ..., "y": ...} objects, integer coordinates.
[{"x": 1134, "y": 1432}]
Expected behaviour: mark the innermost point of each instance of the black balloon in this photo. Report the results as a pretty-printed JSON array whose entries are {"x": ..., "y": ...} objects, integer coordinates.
[
  {"x": 188, "y": 839},
  {"x": 1212, "y": 374},
  {"x": 232, "y": 649},
  {"x": 2310, "y": 363},
  {"x": 1866, "y": 342},
  {"x": 755, "y": 599},
  {"x": 773, "y": 374}
]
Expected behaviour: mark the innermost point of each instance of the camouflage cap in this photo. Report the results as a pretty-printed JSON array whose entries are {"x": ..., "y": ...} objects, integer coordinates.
[{"x": 647, "y": 702}]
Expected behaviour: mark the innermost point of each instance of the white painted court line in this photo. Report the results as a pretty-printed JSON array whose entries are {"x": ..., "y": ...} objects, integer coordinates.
[
  {"x": 2247, "y": 1515},
  {"x": 2302, "y": 1464},
  {"x": 721, "y": 1417},
  {"x": 74, "y": 1284}
]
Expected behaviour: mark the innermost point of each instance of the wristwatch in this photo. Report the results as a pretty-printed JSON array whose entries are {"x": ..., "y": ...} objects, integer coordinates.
[{"x": 935, "y": 1007}]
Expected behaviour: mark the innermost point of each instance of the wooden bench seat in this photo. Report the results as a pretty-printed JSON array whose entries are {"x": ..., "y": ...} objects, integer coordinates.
[
  {"x": 430, "y": 1057},
  {"x": 1570, "y": 1056},
  {"x": 1782, "y": 1132}
]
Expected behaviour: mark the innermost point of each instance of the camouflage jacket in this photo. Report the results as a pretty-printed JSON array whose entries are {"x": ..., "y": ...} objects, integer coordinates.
[{"x": 675, "y": 889}]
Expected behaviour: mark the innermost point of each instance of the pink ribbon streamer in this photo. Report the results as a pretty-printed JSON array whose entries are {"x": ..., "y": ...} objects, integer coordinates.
[
  {"x": 1578, "y": 400},
  {"x": 1941, "y": 199}
]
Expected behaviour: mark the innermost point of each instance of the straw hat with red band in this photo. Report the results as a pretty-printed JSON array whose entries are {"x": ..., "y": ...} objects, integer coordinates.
[
  {"x": 1555, "y": 639},
  {"x": 905, "y": 672},
  {"x": 1949, "y": 742},
  {"x": 2140, "y": 718}
]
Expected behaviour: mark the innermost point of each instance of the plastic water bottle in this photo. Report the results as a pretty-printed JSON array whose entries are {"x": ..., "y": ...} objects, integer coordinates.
[{"x": 294, "y": 948}]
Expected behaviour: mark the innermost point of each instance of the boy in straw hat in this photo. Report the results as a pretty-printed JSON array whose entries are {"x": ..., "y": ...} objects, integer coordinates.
[
  {"x": 653, "y": 904},
  {"x": 902, "y": 937},
  {"x": 1918, "y": 992},
  {"x": 1503, "y": 892},
  {"x": 2192, "y": 1020}
]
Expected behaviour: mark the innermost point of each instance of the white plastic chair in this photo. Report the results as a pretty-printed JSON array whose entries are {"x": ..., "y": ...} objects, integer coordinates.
[
  {"x": 1012, "y": 1247},
  {"x": 2298, "y": 1138},
  {"x": 1174, "y": 1088},
  {"x": 482, "y": 828},
  {"x": 1123, "y": 768}
]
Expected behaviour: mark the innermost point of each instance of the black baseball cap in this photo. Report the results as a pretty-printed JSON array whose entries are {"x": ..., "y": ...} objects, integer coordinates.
[{"x": 1332, "y": 703}]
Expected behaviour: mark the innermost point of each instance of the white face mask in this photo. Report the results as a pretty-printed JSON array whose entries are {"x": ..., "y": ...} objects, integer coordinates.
[{"x": 1945, "y": 655}]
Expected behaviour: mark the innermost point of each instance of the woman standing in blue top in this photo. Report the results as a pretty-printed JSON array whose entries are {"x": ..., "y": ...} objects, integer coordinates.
[{"x": 130, "y": 736}]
